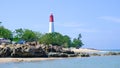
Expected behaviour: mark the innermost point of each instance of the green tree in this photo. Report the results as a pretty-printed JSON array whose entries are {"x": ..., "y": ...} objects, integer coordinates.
[
  {"x": 38, "y": 35},
  {"x": 79, "y": 37},
  {"x": 52, "y": 38},
  {"x": 26, "y": 34},
  {"x": 46, "y": 39},
  {"x": 5, "y": 33},
  {"x": 67, "y": 41},
  {"x": 77, "y": 42},
  {"x": 18, "y": 33},
  {"x": 60, "y": 40},
  {"x": 29, "y": 36}
]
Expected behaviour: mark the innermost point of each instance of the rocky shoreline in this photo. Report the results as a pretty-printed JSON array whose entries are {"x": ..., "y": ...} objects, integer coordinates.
[
  {"x": 18, "y": 53},
  {"x": 37, "y": 51},
  {"x": 110, "y": 53}
]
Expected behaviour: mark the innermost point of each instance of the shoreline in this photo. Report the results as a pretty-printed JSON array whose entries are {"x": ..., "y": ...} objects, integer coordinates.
[
  {"x": 85, "y": 50},
  {"x": 95, "y": 53},
  {"x": 8, "y": 60}
]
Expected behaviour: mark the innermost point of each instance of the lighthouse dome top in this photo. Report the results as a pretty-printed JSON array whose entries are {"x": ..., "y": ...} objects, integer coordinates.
[{"x": 51, "y": 18}]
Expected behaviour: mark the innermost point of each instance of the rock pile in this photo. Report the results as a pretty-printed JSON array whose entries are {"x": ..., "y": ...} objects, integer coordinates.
[
  {"x": 27, "y": 50},
  {"x": 111, "y": 53},
  {"x": 22, "y": 51}
]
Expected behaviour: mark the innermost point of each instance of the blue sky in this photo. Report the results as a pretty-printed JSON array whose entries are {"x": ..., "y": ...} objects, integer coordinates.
[{"x": 97, "y": 20}]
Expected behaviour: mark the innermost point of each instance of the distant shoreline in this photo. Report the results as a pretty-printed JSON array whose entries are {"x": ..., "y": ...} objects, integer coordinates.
[{"x": 87, "y": 50}]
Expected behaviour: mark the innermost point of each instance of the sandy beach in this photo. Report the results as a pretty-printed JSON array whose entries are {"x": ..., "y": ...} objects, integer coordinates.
[
  {"x": 6, "y": 60},
  {"x": 86, "y": 50}
]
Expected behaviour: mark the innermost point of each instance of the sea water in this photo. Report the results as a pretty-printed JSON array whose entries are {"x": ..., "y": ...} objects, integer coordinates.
[{"x": 88, "y": 62}]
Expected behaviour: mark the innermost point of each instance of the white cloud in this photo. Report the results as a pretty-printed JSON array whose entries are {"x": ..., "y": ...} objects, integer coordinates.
[
  {"x": 76, "y": 27},
  {"x": 69, "y": 24},
  {"x": 110, "y": 18},
  {"x": 87, "y": 30}
]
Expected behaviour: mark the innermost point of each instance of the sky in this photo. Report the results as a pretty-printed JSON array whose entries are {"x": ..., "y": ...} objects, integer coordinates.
[{"x": 98, "y": 21}]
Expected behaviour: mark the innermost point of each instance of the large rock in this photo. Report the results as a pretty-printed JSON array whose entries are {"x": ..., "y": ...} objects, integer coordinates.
[
  {"x": 54, "y": 54},
  {"x": 68, "y": 52},
  {"x": 28, "y": 51},
  {"x": 5, "y": 52},
  {"x": 84, "y": 55}
]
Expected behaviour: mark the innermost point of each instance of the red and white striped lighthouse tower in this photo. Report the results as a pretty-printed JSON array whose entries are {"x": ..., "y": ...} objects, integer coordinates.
[{"x": 51, "y": 23}]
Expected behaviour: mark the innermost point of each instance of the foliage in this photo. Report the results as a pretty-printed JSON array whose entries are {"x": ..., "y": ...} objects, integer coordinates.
[
  {"x": 18, "y": 33},
  {"x": 48, "y": 38},
  {"x": 29, "y": 35},
  {"x": 52, "y": 38},
  {"x": 26, "y": 34},
  {"x": 77, "y": 42},
  {"x": 67, "y": 41},
  {"x": 60, "y": 40},
  {"x": 5, "y": 33},
  {"x": 38, "y": 35}
]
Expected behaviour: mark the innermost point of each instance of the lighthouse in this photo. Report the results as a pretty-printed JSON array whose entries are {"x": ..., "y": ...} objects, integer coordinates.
[{"x": 51, "y": 23}]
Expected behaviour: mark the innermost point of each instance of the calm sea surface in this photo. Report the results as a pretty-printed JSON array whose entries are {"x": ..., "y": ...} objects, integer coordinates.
[{"x": 90, "y": 62}]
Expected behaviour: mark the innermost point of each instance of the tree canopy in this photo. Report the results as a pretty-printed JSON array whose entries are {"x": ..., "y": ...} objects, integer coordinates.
[
  {"x": 29, "y": 35},
  {"x": 5, "y": 33},
  {"x": 26, "y": 34},
  {"x": 77, "y": 42},
  {"x": 54, "y": 38},
  {"x": 60, "y": 40},
  {"x": 18, "y": 33}
]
